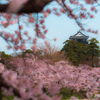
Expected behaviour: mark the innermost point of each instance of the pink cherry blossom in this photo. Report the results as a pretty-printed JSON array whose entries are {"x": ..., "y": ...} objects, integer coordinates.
[
  {"x": 34, "y": 48},
  {"x": 43, "y": 26},
  {"x": 35, "y": 40},
  {"x": 22, "y": 47},
  {"x": 55, "y": 39},
  {"x": 45, "y": 14},
  {"x": 41, "y": 21},
  {"x": 89, "y": 1},
  {"x": 30, "y": 75},
  {"x": 45, "y": 31},
  {"x": 73, "y": 98},
  {"x": 1, "y": 67},
  {"x": 46, "y": 42},
  {"x": 21, "y": 27},
  {"x": 48, "y": 10},
  {"x": 89, "y": 94}
]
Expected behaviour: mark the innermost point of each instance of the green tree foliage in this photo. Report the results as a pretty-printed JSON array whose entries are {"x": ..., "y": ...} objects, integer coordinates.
[
  {"x": 76, "y": 51},
  {"x": 5, "y": 58},
  {"x": 93, "y": 49},
  {"x": 38, "y": 53}
]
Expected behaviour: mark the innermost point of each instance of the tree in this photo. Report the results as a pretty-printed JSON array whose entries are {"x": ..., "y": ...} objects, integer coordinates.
[
  {"x": 75, "y": 51},
  {"x": 17, "y": 42},
  {"x": 93, "y": 49},
  {"x": 78, "y": 52},
  {"x": 59, "y": 75},
  {"x": 24, "y": 83},
  {"x": 5, "y": 58}
]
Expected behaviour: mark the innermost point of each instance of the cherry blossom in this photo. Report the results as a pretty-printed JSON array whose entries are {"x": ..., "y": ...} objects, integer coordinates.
[{"x": 31, "y": 75}]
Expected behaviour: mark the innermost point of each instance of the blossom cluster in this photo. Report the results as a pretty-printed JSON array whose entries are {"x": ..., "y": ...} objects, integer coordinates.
[{"x": 31, "y": 75}]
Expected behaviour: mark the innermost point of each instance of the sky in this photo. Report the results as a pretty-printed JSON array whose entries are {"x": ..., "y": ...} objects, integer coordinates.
[{"x": 58, "y": 27}]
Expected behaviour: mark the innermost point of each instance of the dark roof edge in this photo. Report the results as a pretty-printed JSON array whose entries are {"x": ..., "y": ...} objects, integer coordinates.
[{"x": 79, "y": 36}]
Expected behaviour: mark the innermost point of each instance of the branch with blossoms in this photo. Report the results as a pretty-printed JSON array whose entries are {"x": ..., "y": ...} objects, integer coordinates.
[
  {"x": 40, "y": 28},
  {"x": 5, "y": 85},
  {"x": 84, "y": 14},
  {"x": 34, "y": 6}
]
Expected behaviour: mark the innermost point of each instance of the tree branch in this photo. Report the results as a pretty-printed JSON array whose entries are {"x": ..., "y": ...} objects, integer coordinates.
[{"x": 32, "y": 6}]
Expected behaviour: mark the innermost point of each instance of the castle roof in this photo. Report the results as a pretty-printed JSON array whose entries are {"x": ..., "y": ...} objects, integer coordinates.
[{"x": 79, "y": 35}]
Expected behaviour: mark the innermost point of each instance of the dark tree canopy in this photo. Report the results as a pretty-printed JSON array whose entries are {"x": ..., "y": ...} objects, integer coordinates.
[
  {"x": 93, "y": 49},
  {"x": 77, "y": 52}
]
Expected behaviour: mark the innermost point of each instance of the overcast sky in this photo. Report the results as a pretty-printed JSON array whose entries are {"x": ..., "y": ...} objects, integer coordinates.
[{"x": 58, "y": 27}]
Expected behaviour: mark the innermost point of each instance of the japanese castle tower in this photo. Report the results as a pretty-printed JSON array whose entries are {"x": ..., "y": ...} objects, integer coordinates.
[{"x": 80, "y": 37}]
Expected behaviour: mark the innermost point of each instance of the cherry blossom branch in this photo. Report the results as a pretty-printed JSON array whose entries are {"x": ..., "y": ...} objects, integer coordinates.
[
  {"x": 7, "y": 41},
  {"x": 4, "y": 84}
]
